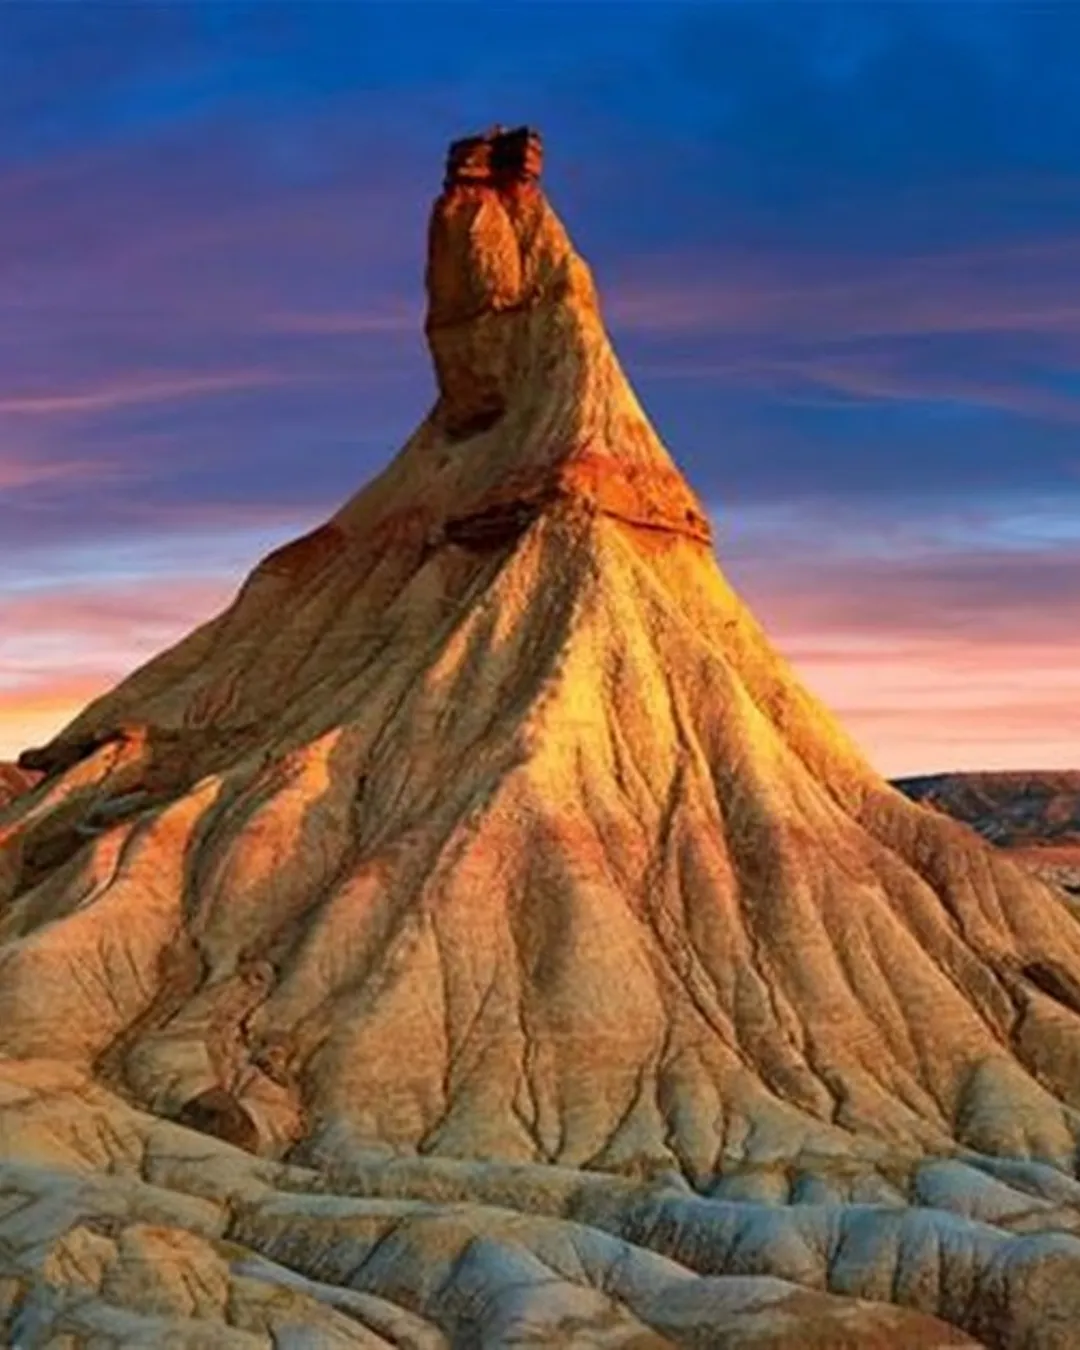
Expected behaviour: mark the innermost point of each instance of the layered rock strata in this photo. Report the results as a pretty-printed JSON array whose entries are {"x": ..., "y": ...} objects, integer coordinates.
[{"x": 486, "y": 825}]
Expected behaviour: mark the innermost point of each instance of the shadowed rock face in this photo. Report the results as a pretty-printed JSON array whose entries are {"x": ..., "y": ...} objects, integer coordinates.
[
  {"x": 14, "y": 781},
  {"x": 216, "y": 1112},
  {"x": 486, "y": 825}
]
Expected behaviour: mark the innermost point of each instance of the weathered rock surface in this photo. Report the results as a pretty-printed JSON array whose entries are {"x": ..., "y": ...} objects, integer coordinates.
[
  {"x": 118, "y": 1228},
  {"x": 14, "y": 781},
  {"x": 484, "y": 861},
  {"x": 1036, "y": 816}
]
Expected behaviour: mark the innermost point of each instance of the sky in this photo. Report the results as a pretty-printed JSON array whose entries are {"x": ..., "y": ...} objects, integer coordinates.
[{"x": 838, "y": 250}]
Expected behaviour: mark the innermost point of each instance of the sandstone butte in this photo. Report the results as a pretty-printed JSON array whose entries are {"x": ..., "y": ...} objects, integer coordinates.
[{"x": 476, "y": 936}]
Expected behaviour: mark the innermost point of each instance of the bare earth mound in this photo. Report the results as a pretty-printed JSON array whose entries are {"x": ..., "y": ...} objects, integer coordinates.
[{"x": 484, "y": 872}]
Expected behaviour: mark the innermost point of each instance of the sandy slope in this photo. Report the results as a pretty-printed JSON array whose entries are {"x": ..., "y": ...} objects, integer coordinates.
[{"x": 486, "y": 824}]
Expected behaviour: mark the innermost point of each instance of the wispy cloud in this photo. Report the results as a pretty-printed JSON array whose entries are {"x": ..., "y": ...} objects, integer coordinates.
[
  {"x": 847, "y": 378},
  {"x": 21, "y": 472},
  {"x": 211, "y": 266},
  {"x": 64, "y": 642},
  {"x": 941, "y": 639},
  {"x": 1031, "y": 287},
  {"x": 136, "y": 389},
  {"x": 337, "y": 323},
  {"x": 919, "y": 697}
]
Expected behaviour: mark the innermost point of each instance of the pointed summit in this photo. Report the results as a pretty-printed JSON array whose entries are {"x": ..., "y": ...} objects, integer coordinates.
[
  {"x": 534, "y": 416},
  {"x": 483, "y": 859},
  {"x": 486, "y": 822},
  {"x": 520, "y": 350}
]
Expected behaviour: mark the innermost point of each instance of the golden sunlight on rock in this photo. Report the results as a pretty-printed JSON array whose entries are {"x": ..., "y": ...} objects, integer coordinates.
[{"x": 477, "y": 936}]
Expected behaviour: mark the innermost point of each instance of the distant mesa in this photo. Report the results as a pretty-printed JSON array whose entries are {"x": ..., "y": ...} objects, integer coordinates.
[
  {"x": 1036, "y": 815},
  {"x": 1010, "y": 808}
]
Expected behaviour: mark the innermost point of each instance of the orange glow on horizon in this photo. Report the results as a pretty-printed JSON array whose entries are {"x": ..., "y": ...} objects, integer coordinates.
[
  {"x": 32, "y": 718},
  {"x": 915, "y": 706}
]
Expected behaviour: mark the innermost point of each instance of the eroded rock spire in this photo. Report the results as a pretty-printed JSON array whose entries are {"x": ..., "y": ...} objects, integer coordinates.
[
  {"x": 494, "y": 245},
  {"x": 486, "y": 823},
  {"x": 520, "y": 351}
]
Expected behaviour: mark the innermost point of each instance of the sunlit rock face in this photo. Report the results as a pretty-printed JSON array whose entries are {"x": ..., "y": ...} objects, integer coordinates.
[{"x": 486, "y": 832}]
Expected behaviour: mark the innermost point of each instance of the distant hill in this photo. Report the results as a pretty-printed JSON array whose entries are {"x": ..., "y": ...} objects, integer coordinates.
[{"x": 1036, "y": 814}]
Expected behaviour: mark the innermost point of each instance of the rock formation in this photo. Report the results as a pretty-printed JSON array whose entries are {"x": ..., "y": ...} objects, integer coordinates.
[
  {"x": 14, "y": 781},
  {"x": 483, "y": 861}
]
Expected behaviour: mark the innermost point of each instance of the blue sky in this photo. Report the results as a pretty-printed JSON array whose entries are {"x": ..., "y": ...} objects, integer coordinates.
[{"x": 838, "y": 252}]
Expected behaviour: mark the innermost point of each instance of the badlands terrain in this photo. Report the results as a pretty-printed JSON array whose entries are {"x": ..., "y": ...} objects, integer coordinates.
[
  {"x": 1036, "y": 816},
  {"x": 475, "y": 936}
]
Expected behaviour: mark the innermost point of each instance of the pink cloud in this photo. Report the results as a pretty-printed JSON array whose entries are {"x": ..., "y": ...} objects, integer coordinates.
[
  {"x": 934, "y": 662},
  {"x": 134, "y": 389},
  {"x": 388, "y": 322},
  {"x": 919, "y": 706},
  {"x": 68, "y": 635},
  {"x": 1028, "y": 288},
  {"x": 20, "y": 472},
  {"x": 101, "y": 616},
  {"x": 62, "y": 648},
  {"x": 917, "y": 693},
  {"x": 1028, "y": 601}
]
